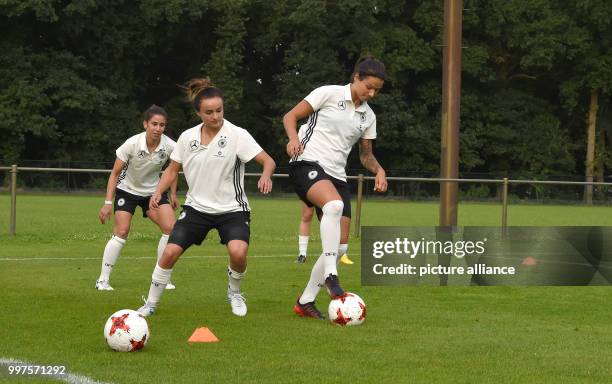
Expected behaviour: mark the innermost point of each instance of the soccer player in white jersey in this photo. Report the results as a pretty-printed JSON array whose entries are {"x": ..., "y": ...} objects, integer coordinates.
[
  {"x": 212, "y": 155},
  {"x": 132, "y": 181},
  {"x": 338, "y": 117}
]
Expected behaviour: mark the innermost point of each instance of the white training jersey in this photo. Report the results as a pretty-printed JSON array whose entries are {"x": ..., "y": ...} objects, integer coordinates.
[
  {"x": 215, "y": 172},
  {"x": 141, "y": 172},
  {"x": 333, "y": 128}
]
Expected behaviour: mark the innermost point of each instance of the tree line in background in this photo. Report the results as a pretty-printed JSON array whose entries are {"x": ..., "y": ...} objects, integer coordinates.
[{"x": 536, "y": 82}]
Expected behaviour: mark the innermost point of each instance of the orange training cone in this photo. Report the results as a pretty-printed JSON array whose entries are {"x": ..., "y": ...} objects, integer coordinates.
[{"x": 203, "y": 335}]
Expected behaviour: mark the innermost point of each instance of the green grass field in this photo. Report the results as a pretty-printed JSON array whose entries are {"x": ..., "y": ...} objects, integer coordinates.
[{"x": 50, "y": 314}]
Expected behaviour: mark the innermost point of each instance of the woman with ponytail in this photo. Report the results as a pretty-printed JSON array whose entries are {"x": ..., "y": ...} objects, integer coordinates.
[
  {"x": 212, "y": 155},
  {"x": 338, "y": 117}
]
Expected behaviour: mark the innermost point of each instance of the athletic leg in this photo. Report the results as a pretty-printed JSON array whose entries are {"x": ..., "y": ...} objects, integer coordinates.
[{"x": 112, "y": 250}]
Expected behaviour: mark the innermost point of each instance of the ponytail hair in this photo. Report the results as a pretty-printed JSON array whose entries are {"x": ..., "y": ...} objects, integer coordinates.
[
  {"x": 155, "y": 110},
  {"x": 201, "y": 88},
  {"x": 369, "y": 66}
]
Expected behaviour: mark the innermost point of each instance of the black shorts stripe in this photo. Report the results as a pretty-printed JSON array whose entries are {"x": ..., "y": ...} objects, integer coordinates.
[
  {"x": 238, "y": 187},
  {"x": 312, "y": 122}
]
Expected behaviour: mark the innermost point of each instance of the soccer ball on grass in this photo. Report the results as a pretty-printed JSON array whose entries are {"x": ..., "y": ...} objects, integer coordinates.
[
  {"x": 126, "y": 330},
  {"x": 347, "y": 310}
]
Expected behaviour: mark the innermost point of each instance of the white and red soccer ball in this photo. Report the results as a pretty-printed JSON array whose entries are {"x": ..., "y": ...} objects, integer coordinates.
[
  {"x": 126, "y": 330},
  {"x": 347, "y": 310}
]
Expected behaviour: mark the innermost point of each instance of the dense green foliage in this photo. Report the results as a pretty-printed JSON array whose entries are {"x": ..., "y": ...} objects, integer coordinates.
[{"x": 75, "y": 75}]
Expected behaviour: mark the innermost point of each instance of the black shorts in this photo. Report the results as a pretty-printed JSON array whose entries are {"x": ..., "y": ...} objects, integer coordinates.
[
  {"x": 128, "y": 202},
  {"x": 304, "y": 174},
  {"x": 192, "y": 227}
]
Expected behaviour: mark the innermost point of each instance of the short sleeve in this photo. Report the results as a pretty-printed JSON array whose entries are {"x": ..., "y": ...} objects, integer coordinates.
[
  {"x": 170, "y": 145},
  {"x": 247, "y": 147},
  {"x": 318, "y": 97},
  {"x": 123, "y": 152},
  {"x": 370, "y": 131},
  {"x": 178, "y": 153}
]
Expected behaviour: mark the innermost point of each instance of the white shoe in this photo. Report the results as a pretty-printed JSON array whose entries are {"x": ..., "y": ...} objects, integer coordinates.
[
  {"x": 170, "y": 286},
  {"x": 237, "y": 302},
  {"x": 102, "y": 285},
  {"x": 147, "y": 309}
]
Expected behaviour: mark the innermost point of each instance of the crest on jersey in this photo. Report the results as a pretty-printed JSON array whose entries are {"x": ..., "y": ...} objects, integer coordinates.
[
  {"x": 363, "y": 117},
  {"x": 312, "y": 174},
  {"x": 141, "y": 154},
  {"x": 194, "y": 145},
  {"x": 341, "y": 105},
  {"x": 222, "y": 142},
  {"x": 162, "y": 154},
  {"x": 121, "y": 202}
]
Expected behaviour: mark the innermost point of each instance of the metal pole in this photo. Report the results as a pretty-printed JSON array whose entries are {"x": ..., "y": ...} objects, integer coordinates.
[
  {"x": 13, "y": 225},
  {"x": 505, "y": 204},
  {"x": 357, "y": 229},
  {"x": 451, "y": 95}
]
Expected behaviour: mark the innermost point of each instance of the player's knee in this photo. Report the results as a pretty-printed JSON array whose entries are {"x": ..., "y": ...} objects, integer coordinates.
[
  {"x": 121, "y": 233},
  {"x": 166, "y": 228},
  {"x": 237, "y": 249},
  {"x": 307, "y": 216},
  {"x": 333, "y": 208}
]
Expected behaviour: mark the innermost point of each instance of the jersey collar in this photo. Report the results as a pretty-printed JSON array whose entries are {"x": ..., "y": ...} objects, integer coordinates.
[
  {"x": 197, "y": 133},
  {"x": 349, "y": 97},
  {"x": 142, "y": 143}
]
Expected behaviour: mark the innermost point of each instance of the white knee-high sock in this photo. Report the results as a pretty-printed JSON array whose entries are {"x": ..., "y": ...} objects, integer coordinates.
[
  {"x": 159, "y": 279},
  {"x": 317, "y": 277},
  {"x": 234, "y": 279},
  {"x": 111, "y": 253},
  {"x": 330, "y": 234},
  {"x": 163, "y": 241},
  {"x": 303, "y": 244}
]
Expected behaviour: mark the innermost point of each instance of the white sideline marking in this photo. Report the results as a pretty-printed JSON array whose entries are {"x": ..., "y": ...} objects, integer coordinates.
[
  {"x": 67, "y": 377},
  {"x": 137, "y": 257}
]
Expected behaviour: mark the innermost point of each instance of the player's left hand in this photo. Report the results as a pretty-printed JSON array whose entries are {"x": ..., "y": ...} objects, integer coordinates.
[
  {"x": 174, "y": 201},
  {"x": 154, "y": 201},
  {"x": 265, "y": 185},
  {"x": 380, "y": 182}
]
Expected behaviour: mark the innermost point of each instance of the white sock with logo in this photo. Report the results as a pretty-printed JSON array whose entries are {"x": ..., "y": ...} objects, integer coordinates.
[
  {"x": 109, "y": 258},
  {"x": 234, "y": 279},
  {"x": 330, "y": 234},
  {"x": 159, "y": 279},
  {"x": 303, "y": 244},
  {"x": 317, "y": 277}
]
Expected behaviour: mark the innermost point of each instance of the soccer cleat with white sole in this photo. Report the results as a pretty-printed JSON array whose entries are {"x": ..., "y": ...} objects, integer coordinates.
[
  {"x": 170, "y": 286},
  {"x": 147, "y": 309},
  {"x": 102, "y": 285},
  {"x": 237, "y": 302}
]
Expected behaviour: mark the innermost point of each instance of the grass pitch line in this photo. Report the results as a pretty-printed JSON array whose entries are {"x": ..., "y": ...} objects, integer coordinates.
[
  {"x": 67, "y": 377},
  {"x": 137, "y": 257}
]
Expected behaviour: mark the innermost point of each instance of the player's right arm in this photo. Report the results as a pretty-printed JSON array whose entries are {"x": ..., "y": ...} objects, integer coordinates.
[
  {"x": 106, "y": 209},
  {"x": 302, "y": 110},
  {"x": 169, "y": 176}
]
